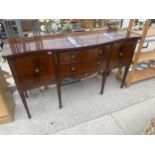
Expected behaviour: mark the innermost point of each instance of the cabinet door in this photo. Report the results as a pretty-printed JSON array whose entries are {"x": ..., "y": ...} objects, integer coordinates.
[
  {"x": 127, "y": 52},
  {"x": 33, "y": 70},
  {"x": 121, "y": 53}
]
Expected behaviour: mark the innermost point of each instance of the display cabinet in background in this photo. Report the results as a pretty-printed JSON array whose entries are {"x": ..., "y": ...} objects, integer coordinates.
[{"x": 36, "y": 27}]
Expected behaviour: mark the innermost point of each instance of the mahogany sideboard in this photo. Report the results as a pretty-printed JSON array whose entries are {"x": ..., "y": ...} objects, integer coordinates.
[{"x": 44, "y": 60}]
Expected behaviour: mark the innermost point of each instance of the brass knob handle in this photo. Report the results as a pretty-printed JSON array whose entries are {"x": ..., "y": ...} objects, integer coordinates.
[
  {"x": 100, "y": 51},
  {"x": 37, "y": 70},
  {"x": 49, "y": 52},
  {"x": 98, "y": 62},
  {"x": 73, "y": 69},
  {"x": 85, "y": 74},
  {"x": 101, "y": 71},
  {"x": 73, "y": 56},
  {"x": 120, "y": 54}
]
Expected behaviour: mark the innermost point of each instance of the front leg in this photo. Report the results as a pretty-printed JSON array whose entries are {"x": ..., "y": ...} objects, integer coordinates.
[
  {"x": 125, "y": 75},
  {"x": 104, "y": 75},
  {"x": 58, "y": 83},
  {"x": 21, "y": 93}
]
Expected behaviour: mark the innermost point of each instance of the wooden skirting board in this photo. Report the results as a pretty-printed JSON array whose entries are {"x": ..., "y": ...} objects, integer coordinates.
[{"x": 7, "y": 105}]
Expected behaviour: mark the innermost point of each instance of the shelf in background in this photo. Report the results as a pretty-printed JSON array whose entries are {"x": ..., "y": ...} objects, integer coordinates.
[
  {"x": 146, "y": 56},
  {"x": 143, "y": 74},
  {"x": 138, "y": 75},
  {"x": 7, "y": 105},
  {"x": 151, "y": 32}
]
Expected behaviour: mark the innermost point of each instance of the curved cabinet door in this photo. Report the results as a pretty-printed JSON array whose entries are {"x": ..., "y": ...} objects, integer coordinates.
[
  {"x": 33, "y": 70},
  {"x": 121, "y": 53}
]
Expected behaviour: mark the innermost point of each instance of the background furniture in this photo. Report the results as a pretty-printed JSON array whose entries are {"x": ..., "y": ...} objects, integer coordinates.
[
  {"x": 26, "y": 27},
  {"x": 7, "y": 105},
  {"x": 137, "y": 75}
]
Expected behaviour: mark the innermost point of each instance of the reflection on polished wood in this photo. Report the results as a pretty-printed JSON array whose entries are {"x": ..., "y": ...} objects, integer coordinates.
[
  {"x": 60, "y": 42},
  {"x": 44, "y": 60}
]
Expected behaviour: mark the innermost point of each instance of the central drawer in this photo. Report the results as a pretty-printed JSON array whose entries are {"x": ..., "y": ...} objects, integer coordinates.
[
  {"x": 67, "y": 70},
  {"x": 80, "y": 56}
]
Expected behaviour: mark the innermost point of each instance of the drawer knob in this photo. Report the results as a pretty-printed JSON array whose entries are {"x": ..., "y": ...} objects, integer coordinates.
[
  {"x": 85, "y": 74},
  {"x": 37, "y": 70},
  {"x": 49, "y": 53},
  {"x": 73, "y": 69},
  {"x": 101, "y": 71},
  {"x": 120, "y": 54},
  {"x": 98, "y": 62},
  {"x": 73, "y": 56},
  {"x": 100, "y": 52}
]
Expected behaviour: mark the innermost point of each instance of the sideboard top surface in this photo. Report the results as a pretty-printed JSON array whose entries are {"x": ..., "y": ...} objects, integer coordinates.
[{"x": 63, "y": 42}]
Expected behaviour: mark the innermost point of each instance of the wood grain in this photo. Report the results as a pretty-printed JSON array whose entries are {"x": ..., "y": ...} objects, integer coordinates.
[{"x": 7, "y": 105}]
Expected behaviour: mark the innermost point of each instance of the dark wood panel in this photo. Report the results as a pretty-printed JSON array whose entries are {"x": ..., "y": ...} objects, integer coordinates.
[
  {"x": 34, "y": 70},
  {"x": 83, "y": 55},
  {"x": 59, "y": 42},
  {"x": 121, "y": 54},
  {"x": 85, "y": 67},
  {"x": 115, "y": 55},
  {"x": 128, "y": 51}
]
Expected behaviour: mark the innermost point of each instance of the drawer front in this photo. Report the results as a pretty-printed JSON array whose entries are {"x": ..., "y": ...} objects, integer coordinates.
[
  {"x": 82, "y": 68},
  {"x": 83, "y": 55},
  {"x": 121, "y": 54},
  {"x": 34, "y": 70}
]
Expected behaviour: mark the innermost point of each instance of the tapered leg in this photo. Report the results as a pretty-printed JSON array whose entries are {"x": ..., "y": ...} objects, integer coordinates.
[
  {"x": 59, "y": 93},
  {"x": 125, "y": 75},
  {"x": 104, "y": 75},
  {"x": 26, "y": 95},
  {"x": 25, "y": 103},
  {"x": 108, "y": 73}
]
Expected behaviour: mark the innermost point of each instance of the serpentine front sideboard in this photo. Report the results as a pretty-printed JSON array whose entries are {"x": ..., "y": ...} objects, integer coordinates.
[{"x": 44, "y": 60}]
